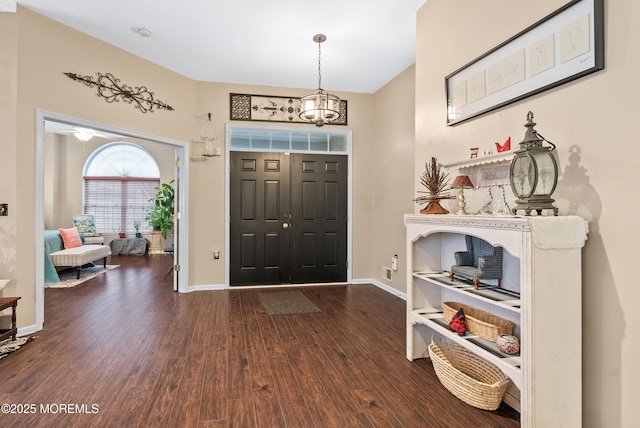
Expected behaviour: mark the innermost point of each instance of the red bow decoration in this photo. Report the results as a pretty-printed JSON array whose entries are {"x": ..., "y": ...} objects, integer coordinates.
[{"x": 505, "y": 147}]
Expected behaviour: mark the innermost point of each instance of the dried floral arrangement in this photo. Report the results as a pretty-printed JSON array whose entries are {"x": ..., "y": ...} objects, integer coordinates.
[{"x": 436, "y": 183}]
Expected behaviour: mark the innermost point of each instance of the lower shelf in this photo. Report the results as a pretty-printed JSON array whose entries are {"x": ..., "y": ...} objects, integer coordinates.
[{"x": 509, "y": 364}]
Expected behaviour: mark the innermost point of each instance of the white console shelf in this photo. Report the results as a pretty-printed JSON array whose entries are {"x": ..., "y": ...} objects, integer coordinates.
[{"x": 541, "y": 293}]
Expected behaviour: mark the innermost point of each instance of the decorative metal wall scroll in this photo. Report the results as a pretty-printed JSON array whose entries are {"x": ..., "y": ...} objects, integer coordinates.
[
  {"x": 264, "y": 108},
  {"x": 110, "y": 88}
]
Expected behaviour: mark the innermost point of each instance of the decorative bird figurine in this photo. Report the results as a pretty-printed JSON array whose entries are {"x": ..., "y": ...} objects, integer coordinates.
[{"x": 505, "y": 147}]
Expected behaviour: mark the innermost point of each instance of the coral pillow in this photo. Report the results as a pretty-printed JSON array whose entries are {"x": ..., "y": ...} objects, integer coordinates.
[{"x": 70, "y": 237}]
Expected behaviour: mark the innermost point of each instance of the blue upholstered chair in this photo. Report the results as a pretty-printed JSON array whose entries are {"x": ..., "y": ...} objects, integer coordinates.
[{"x": 481, "y": 261}]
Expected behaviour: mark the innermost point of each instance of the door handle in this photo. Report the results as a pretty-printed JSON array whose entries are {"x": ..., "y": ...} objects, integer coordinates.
[{"x": 285, "y": 225}]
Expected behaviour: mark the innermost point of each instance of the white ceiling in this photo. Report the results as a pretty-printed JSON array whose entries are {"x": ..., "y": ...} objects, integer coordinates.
[{"x": 255, "y": 41}]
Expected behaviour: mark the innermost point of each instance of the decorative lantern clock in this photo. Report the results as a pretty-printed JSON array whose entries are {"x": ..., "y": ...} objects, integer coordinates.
[{"x": 534, "y": 172}]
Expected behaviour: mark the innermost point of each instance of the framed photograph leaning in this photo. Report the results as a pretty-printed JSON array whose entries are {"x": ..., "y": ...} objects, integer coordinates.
[{"x": 561, "y": 47}]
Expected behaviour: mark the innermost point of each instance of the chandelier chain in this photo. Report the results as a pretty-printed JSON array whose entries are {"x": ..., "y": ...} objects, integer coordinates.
[{"x": 319, "y": 72}]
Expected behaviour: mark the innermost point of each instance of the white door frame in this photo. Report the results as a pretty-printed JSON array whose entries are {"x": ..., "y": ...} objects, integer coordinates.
[
  {"x": 182, "y": 155},
  {"x": 227, "y": 192}
]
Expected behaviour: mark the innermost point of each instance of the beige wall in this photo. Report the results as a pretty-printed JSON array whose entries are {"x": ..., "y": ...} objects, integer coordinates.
[
  {"x": 8, "y": 133},
  {"x": 65, "y": 158},
  {"x": 39, "y": 50},
  {"x": 46, "y": 49},
  {"x": 392, "y": 175},
  {"x": 593, "y": 123},
  {"x": 208, "y": 178}
]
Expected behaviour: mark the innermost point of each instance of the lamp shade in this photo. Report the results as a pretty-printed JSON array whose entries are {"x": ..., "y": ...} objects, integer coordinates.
[
  {"x": 462, "y": 182},
  {"x": 320, "y": 107}
]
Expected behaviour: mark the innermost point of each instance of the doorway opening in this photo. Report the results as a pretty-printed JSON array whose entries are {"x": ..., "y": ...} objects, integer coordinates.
[
  {"x": 179, "y": 152},
  {"x": 288, "y": 205}
]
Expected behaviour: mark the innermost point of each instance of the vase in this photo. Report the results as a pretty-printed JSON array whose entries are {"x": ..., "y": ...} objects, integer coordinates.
[
  {"x": 434, "y": 207},
  {"x": 508, "y": 344},
  {"x": 121, "y": 235}
]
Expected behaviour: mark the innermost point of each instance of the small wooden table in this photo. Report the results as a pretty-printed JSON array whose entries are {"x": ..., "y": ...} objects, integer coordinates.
[{"x": 9, "y": 302}]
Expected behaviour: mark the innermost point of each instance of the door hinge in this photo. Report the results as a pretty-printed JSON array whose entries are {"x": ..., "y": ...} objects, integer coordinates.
[
  {"x": 176, "y": 268},
  {"x": 178, "y": 163},
  {"x": 347, "y": 264}
]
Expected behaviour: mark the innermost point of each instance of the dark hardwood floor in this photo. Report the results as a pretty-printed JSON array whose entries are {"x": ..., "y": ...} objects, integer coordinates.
[{"x": 146, "y": 356}]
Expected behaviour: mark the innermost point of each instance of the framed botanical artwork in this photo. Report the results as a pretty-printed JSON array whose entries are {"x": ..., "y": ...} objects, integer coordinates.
[{"x": 563, "y": 46}]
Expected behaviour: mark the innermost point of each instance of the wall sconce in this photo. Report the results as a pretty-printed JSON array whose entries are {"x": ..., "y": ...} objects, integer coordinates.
[{"x": 207, "y": 138}]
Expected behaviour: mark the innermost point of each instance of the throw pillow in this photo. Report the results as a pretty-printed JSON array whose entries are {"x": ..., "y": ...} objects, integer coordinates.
[
  {"x": 85, "y": 225},
  {"x": 70, "y": 237}
]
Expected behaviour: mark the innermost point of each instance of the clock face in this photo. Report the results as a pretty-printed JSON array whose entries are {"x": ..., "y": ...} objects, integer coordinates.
[{"x": 522, "y": 176}]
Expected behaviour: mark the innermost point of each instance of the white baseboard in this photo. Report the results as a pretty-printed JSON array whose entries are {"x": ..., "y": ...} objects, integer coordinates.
[
  {"x": 26, "y": 330},
  {"x": 381, "y": 285},
  {"x": 385, "y": 287},
  {"x": 206, "y": 287}
]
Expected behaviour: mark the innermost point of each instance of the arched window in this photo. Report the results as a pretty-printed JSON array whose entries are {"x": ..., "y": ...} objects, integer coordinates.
[{"x": 119, "y": 180}]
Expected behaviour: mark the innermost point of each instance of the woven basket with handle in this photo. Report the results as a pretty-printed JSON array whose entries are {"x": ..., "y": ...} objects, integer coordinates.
[{"x": 469, "y": 377}]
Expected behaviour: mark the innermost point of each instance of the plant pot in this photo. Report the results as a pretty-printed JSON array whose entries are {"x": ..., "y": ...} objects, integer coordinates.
[
  {"x": 434, "y": 207},
  {"x": 138, "y": 235},
  {"x": 121, "y": 235},
  {"x": 508, "y": 344}
]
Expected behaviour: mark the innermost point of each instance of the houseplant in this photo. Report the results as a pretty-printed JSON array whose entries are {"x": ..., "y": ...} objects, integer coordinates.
[
  {"x": 436, "y": 182},
  {"x": 161, "y": 216}
]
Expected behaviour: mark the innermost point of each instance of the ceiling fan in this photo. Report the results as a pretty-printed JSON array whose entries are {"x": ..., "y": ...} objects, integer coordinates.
[{"x": 81, "y": 133}]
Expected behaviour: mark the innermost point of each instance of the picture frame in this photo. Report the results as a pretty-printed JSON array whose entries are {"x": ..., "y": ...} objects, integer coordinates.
[
  {"x": 561, "y": 47},
  {"x": 272, "y": 108}
]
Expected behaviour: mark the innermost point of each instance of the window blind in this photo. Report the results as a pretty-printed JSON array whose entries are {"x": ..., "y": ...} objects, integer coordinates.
[{"x": 118, "y": 202}]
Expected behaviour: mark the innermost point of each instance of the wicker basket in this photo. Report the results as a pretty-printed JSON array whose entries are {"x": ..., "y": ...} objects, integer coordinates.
[
  {"x": 479, "y": 322},
  {"x": 467, "y": 376}
]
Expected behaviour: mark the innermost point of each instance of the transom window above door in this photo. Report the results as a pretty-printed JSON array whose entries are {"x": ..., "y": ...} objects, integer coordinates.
[{"x": 281, "y": 139}]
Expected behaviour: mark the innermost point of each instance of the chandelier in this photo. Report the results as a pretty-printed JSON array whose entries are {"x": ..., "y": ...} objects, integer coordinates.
[{"x": 320, "y": 107}]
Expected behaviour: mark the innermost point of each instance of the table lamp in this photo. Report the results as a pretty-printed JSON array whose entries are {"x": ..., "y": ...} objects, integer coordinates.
[{"x": 462, "y": 182}]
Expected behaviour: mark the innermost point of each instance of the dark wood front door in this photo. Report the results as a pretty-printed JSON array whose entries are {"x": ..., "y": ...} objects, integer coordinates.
[{"x": 288, "y": 218}]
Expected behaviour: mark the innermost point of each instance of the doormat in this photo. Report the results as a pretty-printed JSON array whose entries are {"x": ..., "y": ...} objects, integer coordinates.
[
  {"x": 8, "y": 346},
  {"x": 68, "y": 276},
  {"x": 287, "y": 302}
]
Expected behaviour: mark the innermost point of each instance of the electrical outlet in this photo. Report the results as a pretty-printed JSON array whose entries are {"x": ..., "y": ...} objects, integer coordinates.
[
  {"x": 394, "y": 262},
  {"x": 4, "y": 209}
]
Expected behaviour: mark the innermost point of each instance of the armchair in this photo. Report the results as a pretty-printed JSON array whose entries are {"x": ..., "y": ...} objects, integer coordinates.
[
  {"x": 86, "y": 225},
  {"x": 481, "y": 261}
]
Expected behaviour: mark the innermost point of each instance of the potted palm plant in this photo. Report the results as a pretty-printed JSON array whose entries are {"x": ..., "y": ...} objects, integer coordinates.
[{"x": 161, "y": 216}]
